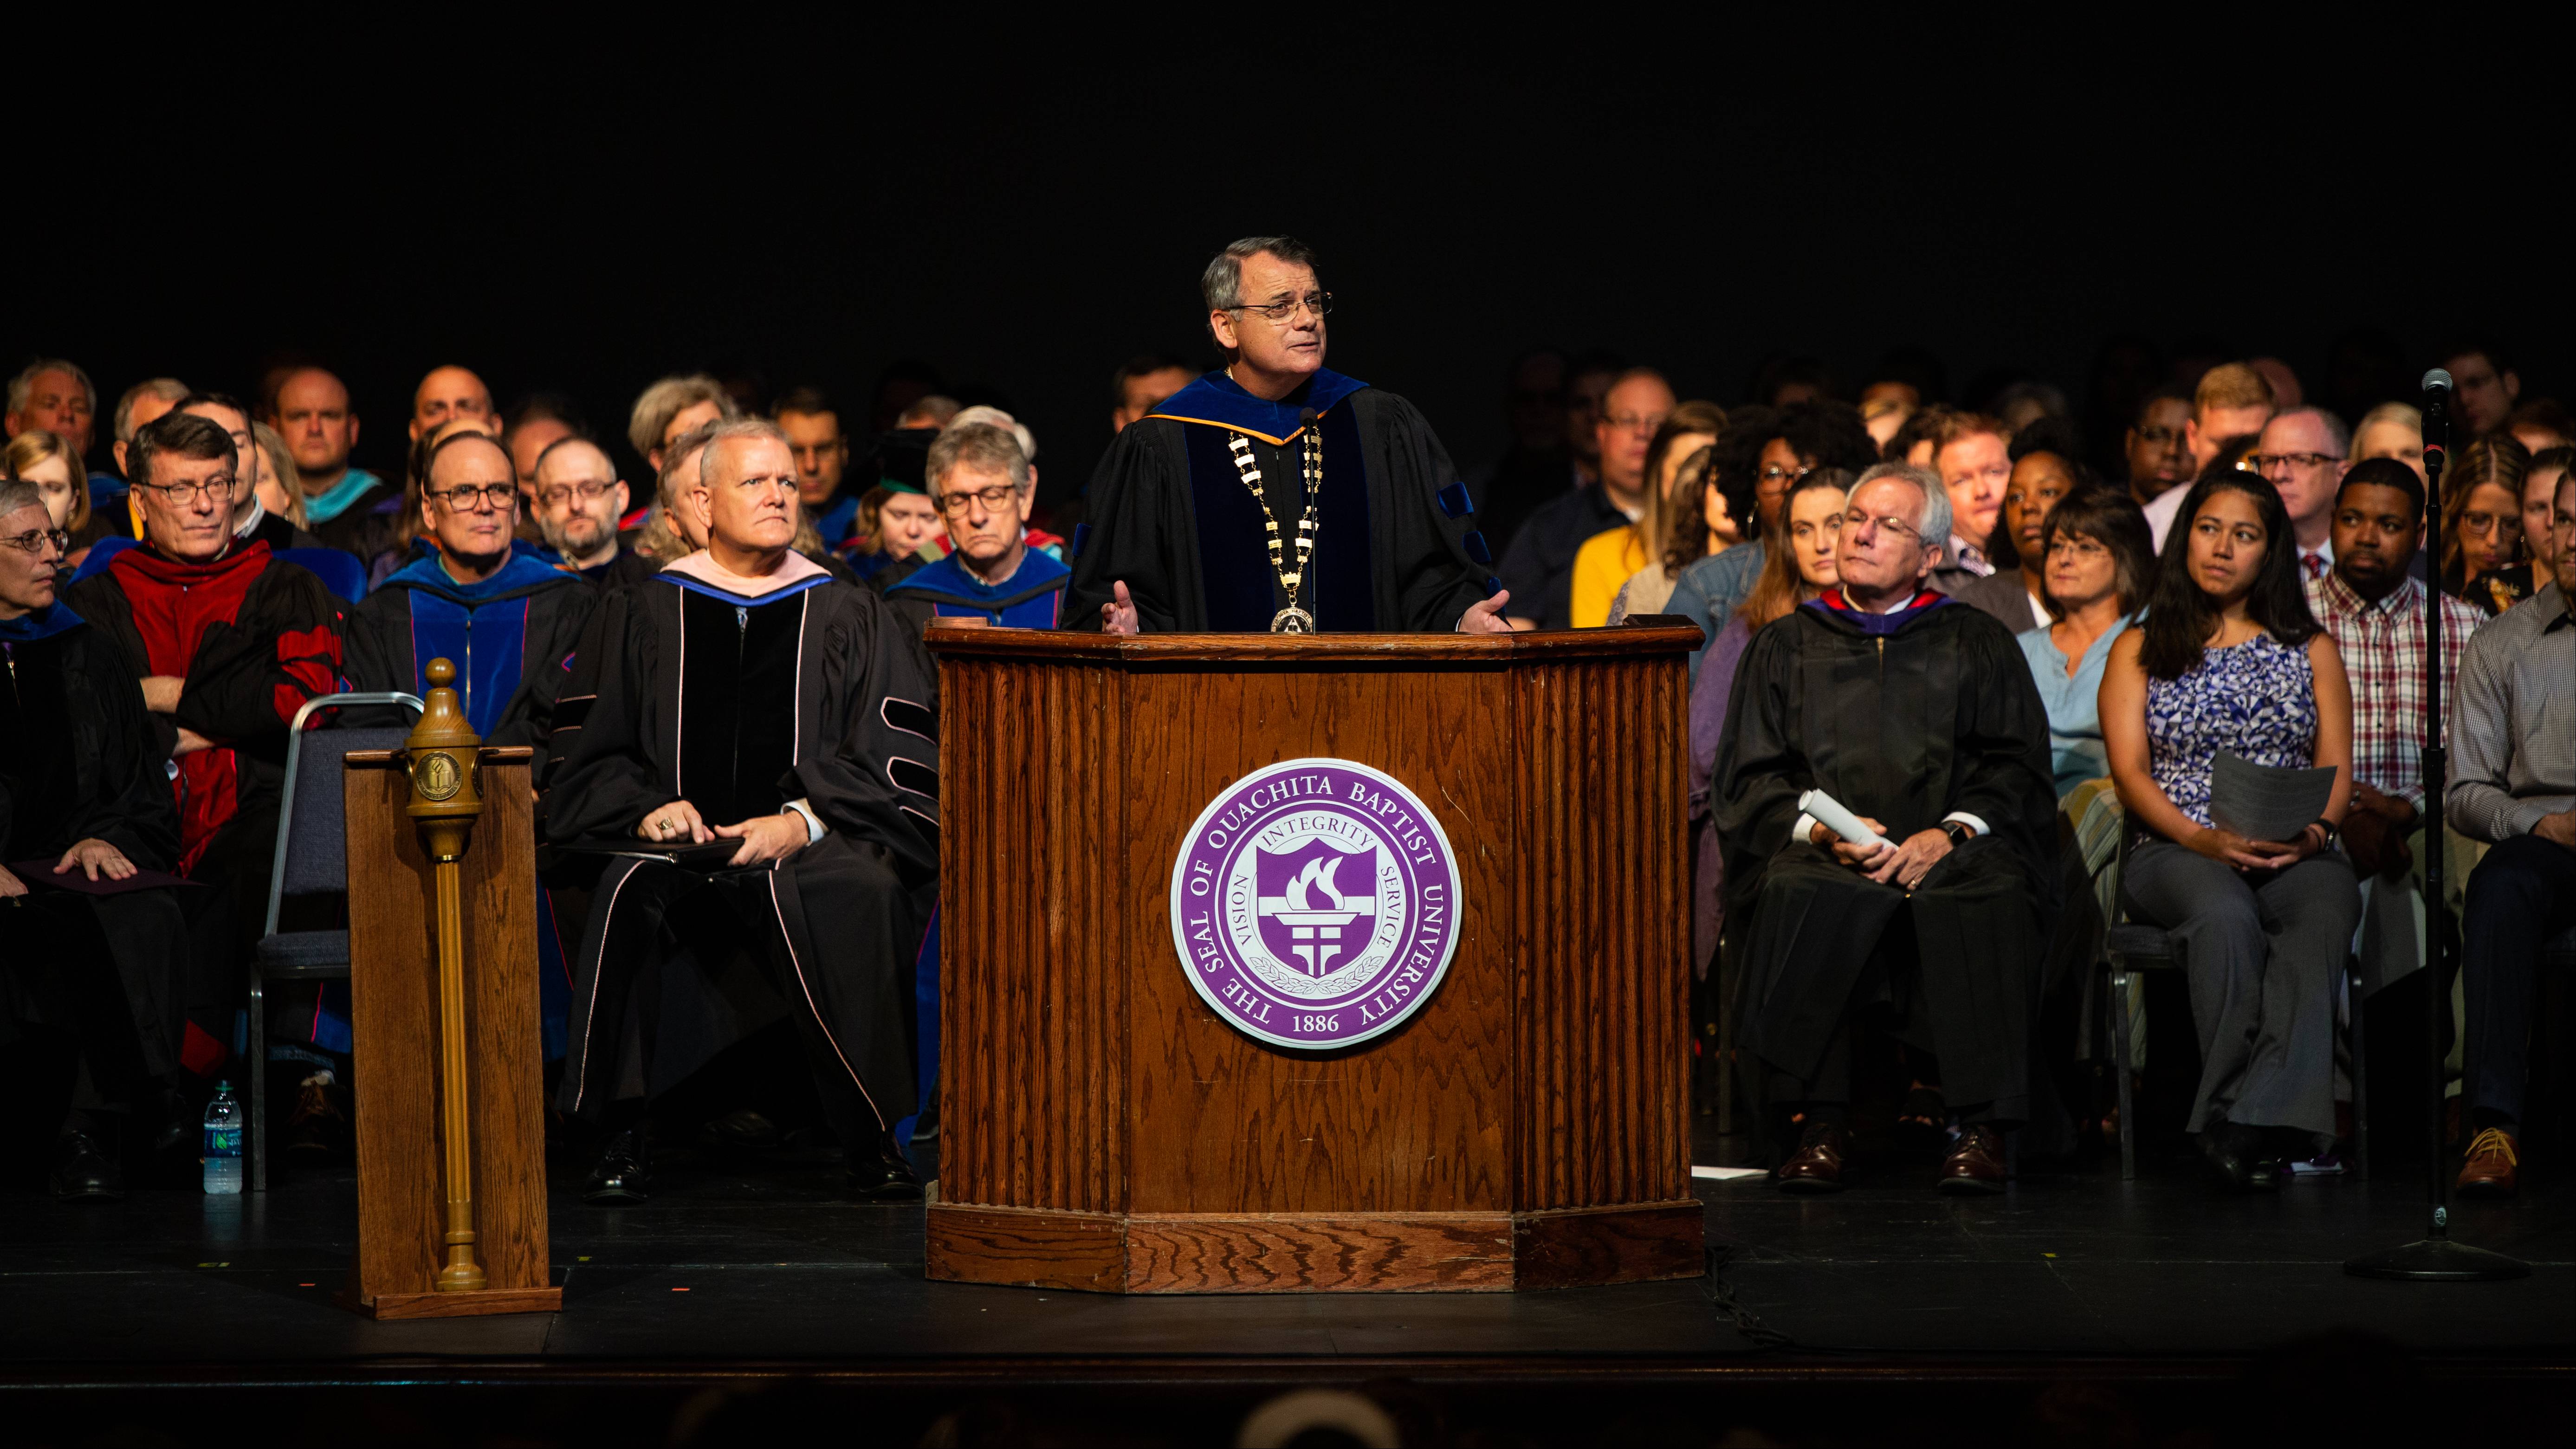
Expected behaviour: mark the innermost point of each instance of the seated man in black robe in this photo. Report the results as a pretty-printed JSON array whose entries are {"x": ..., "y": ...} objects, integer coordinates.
[
  {"x": 1276, "y": 494},
  {"x": 89, "y": 984},
  {"x": 1918, "y": 715},
  {"x": 744, "y": 697}
]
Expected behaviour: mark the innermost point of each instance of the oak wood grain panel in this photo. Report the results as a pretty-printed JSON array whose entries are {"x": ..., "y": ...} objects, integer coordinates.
[
  {"x": 1029, "y": 1248},
  {"x": 1033, "y": 968},
  {"x": 1403, "y": 1123},
  {"x": 1600, "y": 1033},
  {"x": 1291, "y": 1253},
  {"x": 1609, "y": 1245},
  {"x": 394, "y": 1021}
]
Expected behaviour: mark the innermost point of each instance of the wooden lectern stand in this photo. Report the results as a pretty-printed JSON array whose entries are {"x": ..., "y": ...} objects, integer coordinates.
[
  {"x": 1106, "y": 1130},
  {"x": 394, "y": 1001}
]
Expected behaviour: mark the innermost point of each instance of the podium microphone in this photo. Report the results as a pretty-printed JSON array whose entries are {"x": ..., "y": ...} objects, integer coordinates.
[{"x": 2437, "y": 420}]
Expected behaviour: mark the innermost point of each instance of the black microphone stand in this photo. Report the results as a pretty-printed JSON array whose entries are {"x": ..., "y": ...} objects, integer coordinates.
[{"x": 2434, "y": 1258}]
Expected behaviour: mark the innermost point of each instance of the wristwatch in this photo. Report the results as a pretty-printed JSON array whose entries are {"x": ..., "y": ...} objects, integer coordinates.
[
  {"x": 1959, "y": 831},
  {"x": 2328, "y": 826}
]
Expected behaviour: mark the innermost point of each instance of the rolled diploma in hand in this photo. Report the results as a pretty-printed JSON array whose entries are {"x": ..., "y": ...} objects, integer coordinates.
[{"x": 1830, "y": 813}]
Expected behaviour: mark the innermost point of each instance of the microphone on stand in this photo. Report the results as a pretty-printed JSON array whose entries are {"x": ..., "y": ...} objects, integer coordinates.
[{"x": 2437, "y": 421}]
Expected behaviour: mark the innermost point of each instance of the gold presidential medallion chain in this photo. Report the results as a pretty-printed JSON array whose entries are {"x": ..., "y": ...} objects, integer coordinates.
[{"x": 1290, "y": 620}]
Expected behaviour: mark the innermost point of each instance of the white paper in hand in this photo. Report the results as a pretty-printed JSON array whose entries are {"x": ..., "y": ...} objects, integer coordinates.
[{"x": 1830, "y": 813}]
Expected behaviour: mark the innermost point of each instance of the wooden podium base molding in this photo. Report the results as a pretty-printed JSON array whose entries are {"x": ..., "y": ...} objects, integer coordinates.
[
  {"x": 1306, "y": 1253},
  {"x": 465, "y": 1303}
]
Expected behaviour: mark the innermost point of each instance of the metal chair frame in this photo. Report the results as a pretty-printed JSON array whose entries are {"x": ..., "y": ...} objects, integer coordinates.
[
  {"x": 2129, "y": 946},
  {"x": 260, "y": 974}
]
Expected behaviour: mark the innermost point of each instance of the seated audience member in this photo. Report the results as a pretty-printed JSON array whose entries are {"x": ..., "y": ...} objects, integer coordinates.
[
  {"x": 1538, "y": 566},
  {"x": 346, "y": 507},
  {"x": 532, "y": 425},
  {"x": 2232, "y": 402},
  {"x": 1918, "y": 716},
  {"x": 2157, "y": 455},
  {"x": 446, "y": 394},
  {"x": 982, "y": 485},
  {"x": 278, "y": 487},
  {"x": 804, "y": 724},
  {"x": 2228, "y": 659},
  {"x": 2513, "y": 785},
  {"x": 2303, "y": 453},
  {"x": 580, "y": 498},
  {"x": 2391, "y": 430},
  {"x": 407, "y": 544},
  {"x": 2098, "y": 566},
  {"x": 1915, "y": 440},
  {"x": 92, "y": 982},
  {"x": 2376, "y": 614},
  {"x": 43, "y": 459},
  {"x": 1052, "y": 545},
  {"x": 1758, "y": 456},
  {"x": 1608, "y": 559},
  {"x": 1801, "y": 569},
  {"x": 813, "y": 428},
  {"x": 673, "y": 531},
  {"x": 2539, "y": 494},
  {"x": 673, "y": 407},
  {"x": 2046, "y": 466},
  {"x": 2482, "y": 556},
  {"x": 229, "y": 642},
  {"x": 1697, "y": 525},
  {"x": 1885, "y": 405},
  {"x": 899, "y": 522},
  {"x": 2540, "y": 425},
  {"x": 142, "y": 403},
  {"x": 1973, "y": 456},
  {"x": 252, "y": 522},
  {"x": 1537, "y": 468},
  {"x": 2484, "y": 384},
  {"x": 1149, "y": 378}
]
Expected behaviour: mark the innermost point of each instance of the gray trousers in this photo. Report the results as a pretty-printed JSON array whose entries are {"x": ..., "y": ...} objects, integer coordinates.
[{"x": 2263, "y": 954}]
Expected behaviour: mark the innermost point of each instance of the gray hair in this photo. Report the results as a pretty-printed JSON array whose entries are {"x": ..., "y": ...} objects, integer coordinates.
[
  {"x": 15, "y": 495},
  {"x": 168, "y": 389},
  {"x": 995, "y": 417},
  {"x": 2336, "y": 432},
  {"x": 1222, "y": 282},
  {"x": 666, "y": 400},
  {"x": 23, "y": 386},
  {"x": 1933, "y": 524},
  {"x": 976, "y": 445},
  {"x": 726, "y": 432}
]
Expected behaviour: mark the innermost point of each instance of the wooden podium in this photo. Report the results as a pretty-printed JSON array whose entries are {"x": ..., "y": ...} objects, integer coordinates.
[
  {"x": 1106, "y": 1130},
  {"x": 395, "y": 1019}
]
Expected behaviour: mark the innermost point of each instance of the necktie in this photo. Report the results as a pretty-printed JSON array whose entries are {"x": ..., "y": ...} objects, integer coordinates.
[{"x": 2316, "y": 563}]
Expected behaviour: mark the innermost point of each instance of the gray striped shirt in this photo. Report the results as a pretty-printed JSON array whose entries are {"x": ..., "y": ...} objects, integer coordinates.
[{"x": 2513, "y": 723}]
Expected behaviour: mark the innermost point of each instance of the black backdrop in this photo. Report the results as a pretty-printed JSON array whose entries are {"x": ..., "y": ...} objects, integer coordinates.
[{"x": 811, "y": 205}]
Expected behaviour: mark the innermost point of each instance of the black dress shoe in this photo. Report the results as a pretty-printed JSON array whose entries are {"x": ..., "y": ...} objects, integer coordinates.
[
  {"x": 84, "y": 1172},
  {"x": 879, "y": 1174},
  {"x": 1817, "y": 1166},
  {"x": 625, "y": 1170},
  {"x": 2240, "y": 1157}
]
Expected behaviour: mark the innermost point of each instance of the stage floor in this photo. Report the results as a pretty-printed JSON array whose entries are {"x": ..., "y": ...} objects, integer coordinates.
[{"x": 750, "y": 1259}]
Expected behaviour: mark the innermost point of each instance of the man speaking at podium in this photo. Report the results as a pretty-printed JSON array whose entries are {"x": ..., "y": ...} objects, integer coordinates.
[
  {"x": 753, "y": 738},
  {"x": 1917, "y": 715},
  {"x": 1275, "y": 494}
]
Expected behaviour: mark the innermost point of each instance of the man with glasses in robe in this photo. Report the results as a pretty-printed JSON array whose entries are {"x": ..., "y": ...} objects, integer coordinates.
[
  {"x": 981, "y": 482},
  {"x": 579, "y": 500},
  {"x": 1275, "y": 494},
  {"x": 228, "y": 643},
  {"x": 1916, "y": 714}
]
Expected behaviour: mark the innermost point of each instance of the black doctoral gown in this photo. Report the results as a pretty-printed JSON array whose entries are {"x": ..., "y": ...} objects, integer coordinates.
[
  {"x": 1903, "y": 719},
  {"x": 79, "y": 760},
  {"x": 511, "y": 638},
  {"x": 812, "y": 692},
  {"x": 1171, "y": 517}
]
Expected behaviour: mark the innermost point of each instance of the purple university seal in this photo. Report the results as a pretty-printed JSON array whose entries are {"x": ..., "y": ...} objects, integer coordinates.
[{"x": 1315, "y": 903}]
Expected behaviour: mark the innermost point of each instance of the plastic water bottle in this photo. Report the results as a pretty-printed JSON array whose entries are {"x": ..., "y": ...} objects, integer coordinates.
[{"x": 224, "y": 1141}]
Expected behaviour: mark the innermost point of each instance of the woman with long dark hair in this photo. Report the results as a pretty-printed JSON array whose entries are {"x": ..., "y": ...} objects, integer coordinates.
[{"x": 2229, "y": 659}]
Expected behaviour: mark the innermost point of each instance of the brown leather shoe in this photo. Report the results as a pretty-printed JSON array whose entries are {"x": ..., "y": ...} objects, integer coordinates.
[
  {"x": 1976, "y": 1164},
  {"x": 1817, "y": 1165},
  {"x": 2494, "y": 1165}
]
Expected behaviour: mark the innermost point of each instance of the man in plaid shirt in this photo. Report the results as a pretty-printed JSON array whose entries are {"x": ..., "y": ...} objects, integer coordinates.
[{"x": 2377, "y": 615}]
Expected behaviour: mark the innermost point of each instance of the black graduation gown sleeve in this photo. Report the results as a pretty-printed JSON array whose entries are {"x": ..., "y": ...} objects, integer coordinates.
[
  {"x": 124, "y": 792},
  {"x": 250, "y": 676},
  {"x": 1140, "y": 534},
  {"x": 1761, "y": 767},
  {"x": 1426, "y": 578},
  {"x": 876, "y": 697},
  {"x": 375, "y": 654},
  {"x": 602, "y": 781}
]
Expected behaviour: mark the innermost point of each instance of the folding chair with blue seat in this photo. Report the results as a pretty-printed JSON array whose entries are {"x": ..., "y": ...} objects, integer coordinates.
[
  {"x": 2135, "y": 946},
  {"x": 312, "y": 859}
]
